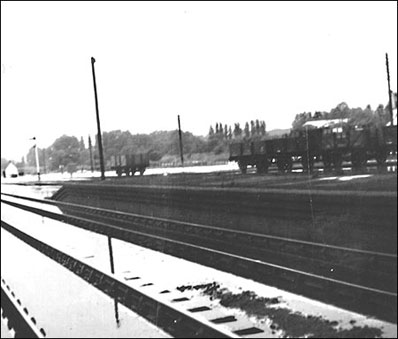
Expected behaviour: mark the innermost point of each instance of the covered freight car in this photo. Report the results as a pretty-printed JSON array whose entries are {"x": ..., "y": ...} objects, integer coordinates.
[{"x": 130, "y": 163}]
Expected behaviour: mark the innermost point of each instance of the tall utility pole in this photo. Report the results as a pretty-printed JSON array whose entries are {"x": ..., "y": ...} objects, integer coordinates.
[
  {"x": 37, "y": 159},
  {"x": 101, "y": 154},
  {"x": 91, "y": 154},
  {"x": 389, "y": 92},
  {"x": 180, "y": 136}
]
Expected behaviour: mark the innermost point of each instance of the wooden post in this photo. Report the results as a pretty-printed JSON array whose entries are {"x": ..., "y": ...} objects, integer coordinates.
[
  {"x": 389, "y": 92},
  {"x": 37, "y": 159},
  {"x": 101, "y": 153}
]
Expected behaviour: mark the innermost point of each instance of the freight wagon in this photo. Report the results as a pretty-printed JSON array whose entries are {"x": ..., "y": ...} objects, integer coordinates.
[
  {"x": 331, "y": 145},
  {"x": 130, "y": 163}
]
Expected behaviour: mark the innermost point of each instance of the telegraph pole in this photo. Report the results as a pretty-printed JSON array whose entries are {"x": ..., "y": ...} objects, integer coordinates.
[
  {"x": 180, "y": 136},
  {"x": 389, "y": 92},
  {"x": 101, "y": 154},
  {"x": 37, "y": 159}
]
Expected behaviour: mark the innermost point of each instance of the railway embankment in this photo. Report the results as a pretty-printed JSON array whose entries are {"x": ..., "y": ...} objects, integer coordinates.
[{"x": 357, "y": 219}]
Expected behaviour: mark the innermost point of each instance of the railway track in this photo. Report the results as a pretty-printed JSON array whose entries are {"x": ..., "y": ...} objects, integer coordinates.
[
  {"x": 361, "y": 281},
  {"x": 177, "y": 321},
  {"x": 345, "y": 218},
  {"x": 19, "y": 320},
  {"x": 368, "y": 268}
]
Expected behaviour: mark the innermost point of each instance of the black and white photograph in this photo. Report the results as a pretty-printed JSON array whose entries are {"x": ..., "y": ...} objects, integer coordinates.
[{"x": 199, "y": 169}]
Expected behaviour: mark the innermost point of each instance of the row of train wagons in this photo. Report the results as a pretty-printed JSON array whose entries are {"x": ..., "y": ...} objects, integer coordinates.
[
  {"x": 129, "y": 164},
  {"x": 331, "y": 145}
]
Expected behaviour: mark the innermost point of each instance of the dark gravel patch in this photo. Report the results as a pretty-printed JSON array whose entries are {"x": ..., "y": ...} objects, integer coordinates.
[{"x": 292, "y": 324}]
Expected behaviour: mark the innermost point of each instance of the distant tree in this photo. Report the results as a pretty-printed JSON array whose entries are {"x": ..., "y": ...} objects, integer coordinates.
[
  {"x": 220, "y": 129},
  {"x": 225, "y": 131},
  {"x": 318, "y": 115},
  {"x": 341, "y": 111},
  {"x": 258, "y": 127},
  {"x": 382, "y": 115},
  {"x": 43, "y": 161},
  {"x": 211, "y": 131},
  {"x": 63, "y": 151},
  {"x": 71, "y": 168},
  {"x": 354, "y": 116},
  {"x": 252, "y": 128},
  {"x": 116, "y": 142},
  {"x": 246, "y": 131},
  {"x": 300, "y": 119},
  {"x": 31, "y": 157},
  {"x": 229, "y": 132},
  {"x": 360, "y": 117},
  {"x": 262, "y": 128},
  {"x": 81, "y": 144},
  {"x": 237, "y": 131},
  {"x": 90, "y": 149}
]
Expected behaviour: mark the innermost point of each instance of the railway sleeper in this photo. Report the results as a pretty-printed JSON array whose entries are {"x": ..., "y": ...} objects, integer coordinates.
[
  {"x": 87, "y": 274},
  {"x": 24, "y": 326},
  {"x": 96, "y": 278},
  {"x": 108, "y": 286}
]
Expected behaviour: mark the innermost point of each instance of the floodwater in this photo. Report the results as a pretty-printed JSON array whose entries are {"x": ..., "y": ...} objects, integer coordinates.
[
  {"x": 77, "y": 309},
  {"x": 64, "y": 305},
  {"x": 87, "y": 175}
]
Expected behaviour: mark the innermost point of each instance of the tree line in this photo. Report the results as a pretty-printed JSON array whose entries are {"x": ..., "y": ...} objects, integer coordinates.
[
  {"x": 352, "y": 116},
  {"x": 68, "y": 153},
  {"x": 256, "y": 128}
]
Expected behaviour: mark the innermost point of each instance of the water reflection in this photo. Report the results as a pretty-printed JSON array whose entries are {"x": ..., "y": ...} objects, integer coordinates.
[
  {"x": 63, "y": 304},
  {"x": 117, "y": 313},
  {"x": 31, "y": 191}
]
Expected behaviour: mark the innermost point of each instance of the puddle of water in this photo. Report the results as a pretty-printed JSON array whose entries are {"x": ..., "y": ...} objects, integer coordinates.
[{"x": 63, "y": 304}]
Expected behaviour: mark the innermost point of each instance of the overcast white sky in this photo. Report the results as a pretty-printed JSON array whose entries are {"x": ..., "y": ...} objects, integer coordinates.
[{"x": 208, "y": 62}]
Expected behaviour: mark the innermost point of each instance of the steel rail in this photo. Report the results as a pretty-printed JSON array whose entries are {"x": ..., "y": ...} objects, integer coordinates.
[
  {"x": 373, "y": 269},
  {"x": 126, "y": 214},
  {"x": 177, "y": 322},
  {"x": 362, "y": 299},
  {"x": 17, "y": 315}
]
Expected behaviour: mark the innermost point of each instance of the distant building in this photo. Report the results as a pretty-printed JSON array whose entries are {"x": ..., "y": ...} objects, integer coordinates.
[
  {"x": 325, "y": 122},
  {"x": 11, "y": 171}
]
